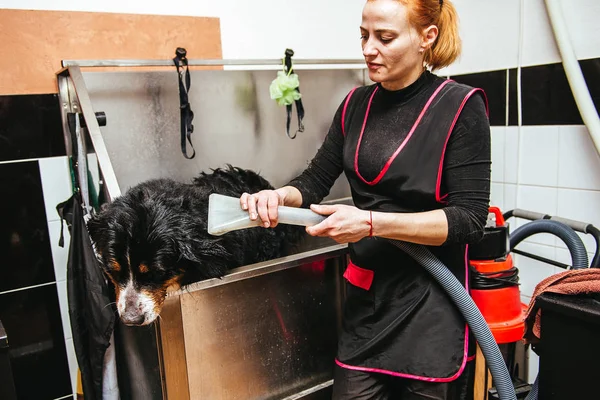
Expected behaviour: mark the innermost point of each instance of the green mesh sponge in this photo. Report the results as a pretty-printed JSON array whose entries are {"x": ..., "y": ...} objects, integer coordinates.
[{"x": 283, "y": 88}]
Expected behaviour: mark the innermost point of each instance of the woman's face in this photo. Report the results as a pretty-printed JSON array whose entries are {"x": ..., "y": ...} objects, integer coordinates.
[{"x": 392, "y": 48}]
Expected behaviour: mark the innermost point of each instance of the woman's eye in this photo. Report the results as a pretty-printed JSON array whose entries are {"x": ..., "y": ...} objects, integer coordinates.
[
  {"x": 385, "y": 40},
  {"x": 363, "y": 37}
]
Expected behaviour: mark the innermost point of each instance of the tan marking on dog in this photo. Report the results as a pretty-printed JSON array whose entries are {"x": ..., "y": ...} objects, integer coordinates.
[
  {"x": 144, "y": 268},
  {"x": 158, "y": 298},
  {"x": 115, "y": 265},
  {"x": 172, "y": 284}
]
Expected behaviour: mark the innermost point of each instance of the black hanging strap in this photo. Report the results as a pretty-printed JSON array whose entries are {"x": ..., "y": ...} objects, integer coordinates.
[
  {"x": 299, "y": 107},
  {"x": 186, "y": 112}
]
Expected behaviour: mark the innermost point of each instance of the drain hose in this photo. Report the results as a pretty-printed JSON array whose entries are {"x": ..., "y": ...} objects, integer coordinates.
[
  {"x": 576, "y": 247},
  {"x": 478, "y": 325}
]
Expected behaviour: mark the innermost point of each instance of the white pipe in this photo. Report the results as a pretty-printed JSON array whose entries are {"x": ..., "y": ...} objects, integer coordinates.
[{"x": 586, "y": 106}]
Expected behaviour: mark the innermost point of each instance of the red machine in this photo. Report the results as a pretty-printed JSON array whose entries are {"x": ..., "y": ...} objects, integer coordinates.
[{"x": 494, "y": 282}]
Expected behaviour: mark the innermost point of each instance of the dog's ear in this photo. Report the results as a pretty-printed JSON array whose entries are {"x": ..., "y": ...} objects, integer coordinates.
[
  {"x": 100, "y": 228},
  {"x": 94, "y": 227},
  {"x": 208, "y": 255}
]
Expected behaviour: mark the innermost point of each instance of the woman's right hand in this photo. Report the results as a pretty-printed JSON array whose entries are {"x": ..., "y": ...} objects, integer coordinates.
[{"x": 263, "y": 205}]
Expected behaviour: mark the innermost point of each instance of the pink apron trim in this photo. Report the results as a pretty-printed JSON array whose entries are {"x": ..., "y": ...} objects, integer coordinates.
[
  {"x": 458, "y": 373},
  {"x": 359, "y": 277},
  {"x": 438, "y": 197},
  {"x": 344, "y": 111},
  {"x": 404, "y": 142}
]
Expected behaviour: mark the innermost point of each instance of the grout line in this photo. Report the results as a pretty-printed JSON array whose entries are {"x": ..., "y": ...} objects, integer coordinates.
[
  {"x": 22, "y": 160},
  {"x": 557, "y": 195},
  {"x": 69, "y": 396},
  {"x": 554, "y": 187},
  {"x": 27, "y": 288},
  {"x": 507, "y": 98}
]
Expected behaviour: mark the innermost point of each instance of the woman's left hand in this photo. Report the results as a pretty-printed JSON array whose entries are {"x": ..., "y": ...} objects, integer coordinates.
[{"x": 344, "y": 224}]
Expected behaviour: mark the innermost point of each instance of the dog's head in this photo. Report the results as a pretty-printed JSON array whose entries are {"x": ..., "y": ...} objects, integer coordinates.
[{"x": 147, "y": 246}]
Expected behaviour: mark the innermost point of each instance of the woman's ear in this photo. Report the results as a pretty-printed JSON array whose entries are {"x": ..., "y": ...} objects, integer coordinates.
[{"x": 430, "y": 34}]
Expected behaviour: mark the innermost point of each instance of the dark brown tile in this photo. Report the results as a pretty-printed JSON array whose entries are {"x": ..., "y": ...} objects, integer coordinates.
[
  {"x": 546, "y": 97},
  {"x": 494, "y": 85},
  {"x": 36, "y": 343},
  {"x": 25, "y": 252},
  {"x": 30, "y": 127},
  {"x": 591, "y": 73},
  {"x": 513, "y": 106}
]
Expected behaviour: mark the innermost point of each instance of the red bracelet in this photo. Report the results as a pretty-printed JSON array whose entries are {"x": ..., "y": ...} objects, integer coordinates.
[{"x": 371, "y": 223}]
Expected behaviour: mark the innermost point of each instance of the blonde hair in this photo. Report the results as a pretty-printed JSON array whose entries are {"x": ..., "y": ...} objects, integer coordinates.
[{"x": 441, "y": 13}]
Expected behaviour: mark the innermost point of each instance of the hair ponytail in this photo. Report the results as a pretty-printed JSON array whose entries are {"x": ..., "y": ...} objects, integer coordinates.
[{"x": 447, "y": 47}]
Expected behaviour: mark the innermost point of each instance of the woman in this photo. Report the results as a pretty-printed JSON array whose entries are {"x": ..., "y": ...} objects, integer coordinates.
[{"x": 416, "y": 151}]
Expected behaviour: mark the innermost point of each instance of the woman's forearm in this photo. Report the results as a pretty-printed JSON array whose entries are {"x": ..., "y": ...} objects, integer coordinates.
[
  {"x": 291, "y": 196},
  {"x": 428, "y": 228}
]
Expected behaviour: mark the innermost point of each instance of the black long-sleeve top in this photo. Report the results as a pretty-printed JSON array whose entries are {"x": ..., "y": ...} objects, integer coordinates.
[{"x": 467, "y": 161}]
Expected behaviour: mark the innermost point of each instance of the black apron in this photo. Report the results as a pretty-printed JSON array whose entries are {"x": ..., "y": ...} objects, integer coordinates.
[
  {"x": 92, "y": 321},
  {"x": 397, "y": 320}
]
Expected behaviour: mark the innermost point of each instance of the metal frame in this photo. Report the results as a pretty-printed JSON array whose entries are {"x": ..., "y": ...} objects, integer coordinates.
[
  {"x": 266, "y": 267},
  {"x": 74, "y": 98},
  {"x": 207, "y": 63}
]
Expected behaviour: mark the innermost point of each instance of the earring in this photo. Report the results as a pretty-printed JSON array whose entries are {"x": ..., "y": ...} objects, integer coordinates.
[{"x": 421, "y": 50}]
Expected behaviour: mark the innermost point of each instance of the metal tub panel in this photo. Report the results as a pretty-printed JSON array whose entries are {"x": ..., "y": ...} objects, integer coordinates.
[
  {"x": 262, "y": 338},
  {"x": 235, "y": 121}
]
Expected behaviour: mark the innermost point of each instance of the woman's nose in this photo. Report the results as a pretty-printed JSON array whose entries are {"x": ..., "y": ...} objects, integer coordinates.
[{"x": 369, "y": 49}]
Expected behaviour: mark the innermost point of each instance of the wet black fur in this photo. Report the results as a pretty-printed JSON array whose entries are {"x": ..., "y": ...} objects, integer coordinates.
[{"x": 162, "y": 224}]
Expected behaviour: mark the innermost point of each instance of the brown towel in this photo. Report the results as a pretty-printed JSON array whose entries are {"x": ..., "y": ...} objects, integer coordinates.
[{"x": 572, "y": 282}]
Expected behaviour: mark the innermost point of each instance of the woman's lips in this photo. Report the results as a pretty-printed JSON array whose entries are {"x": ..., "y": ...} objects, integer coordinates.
[{"x": 373, "y": 66}]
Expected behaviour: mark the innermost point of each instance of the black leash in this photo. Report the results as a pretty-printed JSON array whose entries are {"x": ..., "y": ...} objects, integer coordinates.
[
  {"x": 299, "y": 107},
  {"x": 186, "y": 113}
]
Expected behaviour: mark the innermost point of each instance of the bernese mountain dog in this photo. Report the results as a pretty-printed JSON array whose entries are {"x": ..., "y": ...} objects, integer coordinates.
[{"x": 154, "y": 238}]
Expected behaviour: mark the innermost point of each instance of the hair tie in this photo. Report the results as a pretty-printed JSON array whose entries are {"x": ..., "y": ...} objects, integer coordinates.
[{"x": 441, "y": 3}]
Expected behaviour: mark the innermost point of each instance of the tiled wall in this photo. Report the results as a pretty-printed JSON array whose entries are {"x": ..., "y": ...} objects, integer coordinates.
[
  {"x": 547, "y": 164},
  {"x": 34, "y": 177}
]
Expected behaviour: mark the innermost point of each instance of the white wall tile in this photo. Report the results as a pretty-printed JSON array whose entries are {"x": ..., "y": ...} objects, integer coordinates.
[
  {"x": 538, "y": 199},
  {"x": 580, "y": 205},
  {"x": 498, "y": 134},
  {"x": 316, "y": 29},
  {"x": 510, "y": 198},
  {"x": 497, "y": 195},
  {"x": 56, "y": 183},
  {"x": 578, "y": 161},
  {"x": 61, "y": 288},
  {"x": 538, "y": 153},
  {"x": 488, "y": 43},
  {"x": 511, "y": 154},
  {"x": 581, "y": 18},
  {"x": 60, "y": 255},
  {"x": 534, "y": 367},
  {"x": 539, "y": 46},
  {"x": 73, "y": 366},
  {"x": 532, "y": 272}
]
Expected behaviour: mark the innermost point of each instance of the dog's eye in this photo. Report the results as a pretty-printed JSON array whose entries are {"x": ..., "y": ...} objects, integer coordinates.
[{"x": 143, "y": 268}]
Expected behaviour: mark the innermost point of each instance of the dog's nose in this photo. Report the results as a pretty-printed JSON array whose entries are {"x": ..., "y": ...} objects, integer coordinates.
[{"x": 133, "y": 319}]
